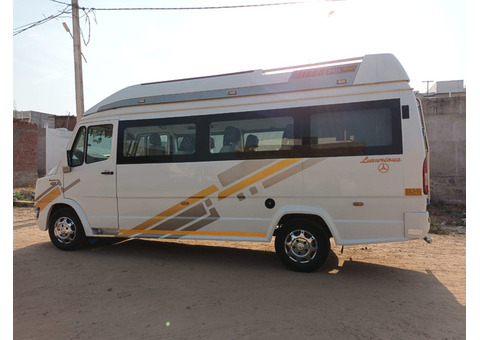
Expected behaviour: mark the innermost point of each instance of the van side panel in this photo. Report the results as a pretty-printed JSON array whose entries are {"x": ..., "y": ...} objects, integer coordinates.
[
  {"x": 251, "y": 191},
  {"x": 147, "y": 193},
  {"x": 363, "y": 195}
]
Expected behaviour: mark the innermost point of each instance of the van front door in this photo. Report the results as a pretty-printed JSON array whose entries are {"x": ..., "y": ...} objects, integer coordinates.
[{"x": 92, "y": 180}]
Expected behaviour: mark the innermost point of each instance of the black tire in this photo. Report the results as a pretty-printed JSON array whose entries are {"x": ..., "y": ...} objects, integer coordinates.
[
  {"x": 302, "y": 245},
  {"x": 66, "y": 230}
]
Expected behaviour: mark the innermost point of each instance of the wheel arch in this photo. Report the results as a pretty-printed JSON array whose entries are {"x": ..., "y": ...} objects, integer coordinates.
[
  {"x": 315, "y": 218},
  {"x": 75, "y": 207},
  {"x": 319, "y": 216}
]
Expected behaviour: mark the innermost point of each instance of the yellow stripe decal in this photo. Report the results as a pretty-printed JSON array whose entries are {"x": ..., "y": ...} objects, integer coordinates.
[
  {"x": 257, "y": 177},
  {"x": 176, "y": 208},
  {"x": 48, "y": 198},
  {"x": 185, "y": 232}
]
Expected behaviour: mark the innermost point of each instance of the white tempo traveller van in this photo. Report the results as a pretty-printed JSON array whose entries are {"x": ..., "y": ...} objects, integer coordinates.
[{"x": 304, "y": 154}]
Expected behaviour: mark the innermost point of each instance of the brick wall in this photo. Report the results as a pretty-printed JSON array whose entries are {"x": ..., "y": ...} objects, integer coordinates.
[
  {"x": 25, "y": 136},
  {"x": 67, "y": 122}
]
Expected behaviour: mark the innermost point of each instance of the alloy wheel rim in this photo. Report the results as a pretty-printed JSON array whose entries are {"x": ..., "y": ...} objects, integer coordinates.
[
  {"x": 64, "y": 230},
  {"x": 301, "y": 246}
]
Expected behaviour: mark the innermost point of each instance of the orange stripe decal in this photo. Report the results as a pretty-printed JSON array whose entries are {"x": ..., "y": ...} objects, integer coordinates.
[
  {"x": 185, "y": 232},
  {"x": 48, "y": 198},
  {"x": 257, "y": 177},
  {"x": 176, "y": 208}
]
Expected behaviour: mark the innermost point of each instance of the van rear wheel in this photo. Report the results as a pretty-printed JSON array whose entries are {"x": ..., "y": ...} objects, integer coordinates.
[
  {"x": 65, "y": 230},
  {"x": 302, "y": 245}
]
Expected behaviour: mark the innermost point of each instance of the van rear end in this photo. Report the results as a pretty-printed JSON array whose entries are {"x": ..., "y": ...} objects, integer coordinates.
[{"x": 417, "y": 172}]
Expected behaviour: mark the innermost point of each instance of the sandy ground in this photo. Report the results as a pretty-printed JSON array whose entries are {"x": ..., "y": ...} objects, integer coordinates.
[{"x": 149, "y": 289}]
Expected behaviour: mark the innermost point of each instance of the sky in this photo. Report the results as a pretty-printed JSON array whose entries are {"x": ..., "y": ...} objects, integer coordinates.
[{"x": 130, "y": 47}]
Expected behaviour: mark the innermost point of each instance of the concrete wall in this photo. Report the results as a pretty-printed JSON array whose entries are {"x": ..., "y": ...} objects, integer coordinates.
[
  {"x": 41, "y": 152},
  {"x": 24, "y": 154},
  {"x": 56, "y": 142},
  {"x": 445, "y": 119}
]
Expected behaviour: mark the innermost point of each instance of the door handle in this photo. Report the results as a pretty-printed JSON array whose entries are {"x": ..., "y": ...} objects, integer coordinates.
[{"x": 107, "y": 172}]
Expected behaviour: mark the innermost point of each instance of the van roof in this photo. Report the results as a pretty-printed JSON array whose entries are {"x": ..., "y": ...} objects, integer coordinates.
[{"x": 370, "y": 69}]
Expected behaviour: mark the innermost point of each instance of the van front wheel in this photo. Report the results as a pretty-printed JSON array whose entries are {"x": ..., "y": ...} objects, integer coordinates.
[
  {"x": 302, "y": 245},
  {"x": 65, "y": 230}
]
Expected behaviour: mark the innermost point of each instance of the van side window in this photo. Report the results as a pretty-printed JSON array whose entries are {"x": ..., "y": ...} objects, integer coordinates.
[
  {"x": 370, "y": 127},
  {"x": 358, "y": 130},
  {"x": 78, "y": 148},
  {"x": 337, "y": 130},
  {"x": 153, "y": 140},
  {"x": 251, "y": 135},
  {"x": 99, "y": 143}
]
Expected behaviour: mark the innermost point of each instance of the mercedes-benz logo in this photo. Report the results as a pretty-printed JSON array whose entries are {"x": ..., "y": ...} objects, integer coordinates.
[{"x": 383, "y": 168}]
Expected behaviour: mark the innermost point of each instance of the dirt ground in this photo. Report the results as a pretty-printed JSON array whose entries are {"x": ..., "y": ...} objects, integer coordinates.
[{"x": 150, "y": 289}]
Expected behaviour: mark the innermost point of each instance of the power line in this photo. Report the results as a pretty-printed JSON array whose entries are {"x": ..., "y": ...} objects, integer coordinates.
[
  {"x": 26, "y": 27},
  {"x": 67, "y": 10},
  {"x": 87, "y": 10},
  {"x": 184, "y": 8}
]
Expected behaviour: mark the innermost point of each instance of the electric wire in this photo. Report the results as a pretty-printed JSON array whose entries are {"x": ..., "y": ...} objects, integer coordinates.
[
  {"x": 26, "y": 27},
  {"x": 88, "y": 10},
  {"x": 183, "y": 8}
]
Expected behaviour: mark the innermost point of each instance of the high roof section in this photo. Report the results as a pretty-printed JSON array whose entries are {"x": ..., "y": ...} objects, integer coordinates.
[{"x": 371, "y": 69}]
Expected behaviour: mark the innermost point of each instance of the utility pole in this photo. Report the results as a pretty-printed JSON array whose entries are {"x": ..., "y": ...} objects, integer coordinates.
[{"x": 77, "y": 56}]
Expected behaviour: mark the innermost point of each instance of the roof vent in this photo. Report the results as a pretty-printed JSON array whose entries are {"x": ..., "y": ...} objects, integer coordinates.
[{"x": 324, "y": 71}]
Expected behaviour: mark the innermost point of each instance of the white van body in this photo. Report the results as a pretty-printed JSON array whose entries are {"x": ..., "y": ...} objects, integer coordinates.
[{"x": 340, "y": 144}]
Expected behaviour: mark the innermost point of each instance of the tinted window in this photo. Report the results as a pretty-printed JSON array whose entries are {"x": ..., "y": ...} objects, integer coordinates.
[
  {"x": 362, "y": 128},
  {"x": 155, "y": 141},
  {"x": 369, "y": 127},
  {"x": 366, "y": 128},
  {"x": 251, "y": 135}
]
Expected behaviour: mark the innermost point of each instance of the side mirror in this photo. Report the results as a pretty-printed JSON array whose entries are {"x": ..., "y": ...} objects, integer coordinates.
[
  {"x": 68, "y": 168},
  {"x": 74, "y": 158},
  {"x": 69, "y": 158}
]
